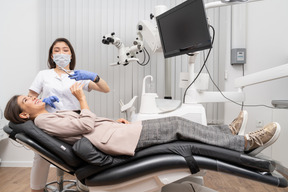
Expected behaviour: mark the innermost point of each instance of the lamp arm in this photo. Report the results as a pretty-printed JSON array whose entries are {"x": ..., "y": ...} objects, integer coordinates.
[
  {"x": 222, "y": 4},
  {"x": 262, "y": 76}
]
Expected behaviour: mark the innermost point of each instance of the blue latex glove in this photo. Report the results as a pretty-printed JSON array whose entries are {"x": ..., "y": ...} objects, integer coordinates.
[
  {"x": 50, "y": 101},
  {"x": 83, "y": 75}
]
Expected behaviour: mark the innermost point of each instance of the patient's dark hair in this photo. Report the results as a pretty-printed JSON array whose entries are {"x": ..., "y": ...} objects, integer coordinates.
[{"x": 12, "y": 111}]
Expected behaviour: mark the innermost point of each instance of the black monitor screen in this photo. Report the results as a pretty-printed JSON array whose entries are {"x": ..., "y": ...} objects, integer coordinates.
[{"x": 184, "y": 29}]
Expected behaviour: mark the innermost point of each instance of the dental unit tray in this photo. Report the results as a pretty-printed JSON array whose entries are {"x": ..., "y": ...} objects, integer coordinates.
[{"x": 280, "y": 103}]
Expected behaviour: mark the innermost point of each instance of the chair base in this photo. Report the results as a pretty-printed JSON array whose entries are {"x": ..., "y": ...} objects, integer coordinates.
[
  {"x": 58, "y": 186},
  {"x": 153, "y": 182}
]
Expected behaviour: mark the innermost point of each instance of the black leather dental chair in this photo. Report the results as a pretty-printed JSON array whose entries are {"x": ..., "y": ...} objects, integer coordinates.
[{"x": 149, "y": 170}]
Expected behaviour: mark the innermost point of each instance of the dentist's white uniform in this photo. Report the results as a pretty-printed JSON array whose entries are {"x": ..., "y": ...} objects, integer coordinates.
[{"x": 49, "y": 83}]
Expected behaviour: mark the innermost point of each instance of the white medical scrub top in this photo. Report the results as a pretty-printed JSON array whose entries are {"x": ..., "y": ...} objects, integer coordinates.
[{"x": 49, "y": 83}]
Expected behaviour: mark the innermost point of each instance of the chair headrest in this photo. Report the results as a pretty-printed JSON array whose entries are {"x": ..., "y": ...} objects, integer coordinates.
[{"x": 10, "y": 132}]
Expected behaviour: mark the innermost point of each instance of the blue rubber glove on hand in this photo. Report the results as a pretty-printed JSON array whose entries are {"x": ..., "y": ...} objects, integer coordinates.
[
  {"x": 50, "y": 101},
  {"x": 83, "y": 75}
]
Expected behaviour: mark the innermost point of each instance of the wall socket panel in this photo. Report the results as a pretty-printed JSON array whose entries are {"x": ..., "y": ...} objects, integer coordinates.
[{"x": 238, "y": 56}]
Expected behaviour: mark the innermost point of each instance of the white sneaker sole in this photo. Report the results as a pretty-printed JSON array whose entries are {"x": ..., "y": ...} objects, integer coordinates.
[
  {"x": 244, "y": 123},
  {"x": 270, "y": 142}
]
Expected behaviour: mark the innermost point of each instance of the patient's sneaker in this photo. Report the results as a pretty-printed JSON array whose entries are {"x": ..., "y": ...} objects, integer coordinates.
[
  {"x": 238, "y": 125},
  {"x": 259, "y": 140}
]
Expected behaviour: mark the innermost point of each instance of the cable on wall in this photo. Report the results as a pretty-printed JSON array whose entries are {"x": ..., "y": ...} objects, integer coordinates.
[{"x": 205, "y": 61}]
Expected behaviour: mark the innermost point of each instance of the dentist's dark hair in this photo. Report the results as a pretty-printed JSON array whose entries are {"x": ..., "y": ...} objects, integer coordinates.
[
  {"x": 12, "y": 111},
  {"x": 51, "y": 63}
]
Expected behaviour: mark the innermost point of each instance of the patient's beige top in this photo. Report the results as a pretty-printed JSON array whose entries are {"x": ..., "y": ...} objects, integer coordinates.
[{"x": 107, "y": 135}]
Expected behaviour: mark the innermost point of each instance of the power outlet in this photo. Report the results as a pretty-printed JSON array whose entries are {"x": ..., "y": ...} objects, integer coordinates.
[{"x": 259, "y": 123}]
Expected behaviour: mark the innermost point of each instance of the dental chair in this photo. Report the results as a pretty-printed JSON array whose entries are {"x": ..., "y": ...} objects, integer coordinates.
[{"x": 150, "y": 169}]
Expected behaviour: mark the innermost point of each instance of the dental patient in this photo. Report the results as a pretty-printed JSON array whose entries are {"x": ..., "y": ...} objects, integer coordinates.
[{"x": 124, "y": 138}]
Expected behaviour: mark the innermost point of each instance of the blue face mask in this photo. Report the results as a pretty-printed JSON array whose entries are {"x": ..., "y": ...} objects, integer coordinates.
[{"x": 62, "y": 60}]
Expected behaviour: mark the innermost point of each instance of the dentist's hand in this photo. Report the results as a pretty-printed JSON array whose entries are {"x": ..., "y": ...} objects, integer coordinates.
[
  {"x": 83, "y": 75},
  {"x": 50, "y": 101}
]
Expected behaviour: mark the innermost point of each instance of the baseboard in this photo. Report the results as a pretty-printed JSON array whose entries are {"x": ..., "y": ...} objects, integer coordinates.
[{"x": 16, "y": 163}]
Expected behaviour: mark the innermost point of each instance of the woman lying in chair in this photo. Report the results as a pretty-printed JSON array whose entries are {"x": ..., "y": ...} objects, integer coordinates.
[{"x": 124, "y": 138}]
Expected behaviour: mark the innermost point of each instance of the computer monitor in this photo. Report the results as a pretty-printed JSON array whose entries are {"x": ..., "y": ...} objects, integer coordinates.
[{"x": 184, "y": 29}]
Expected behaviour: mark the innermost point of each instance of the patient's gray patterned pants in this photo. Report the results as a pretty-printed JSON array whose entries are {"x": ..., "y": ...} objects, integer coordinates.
[{"x": 164, "y": 130}]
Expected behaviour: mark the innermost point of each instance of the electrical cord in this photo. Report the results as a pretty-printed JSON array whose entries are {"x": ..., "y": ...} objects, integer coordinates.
[
  {"x": 204, "y": 65},
  {"x": 144, "y": 62},
  {"x": 240, "y": 104},
  {"x": 205, "y": 61}
]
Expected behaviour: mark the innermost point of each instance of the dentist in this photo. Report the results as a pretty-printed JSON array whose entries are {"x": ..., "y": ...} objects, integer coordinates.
[{"x": 54, "y": 85}]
